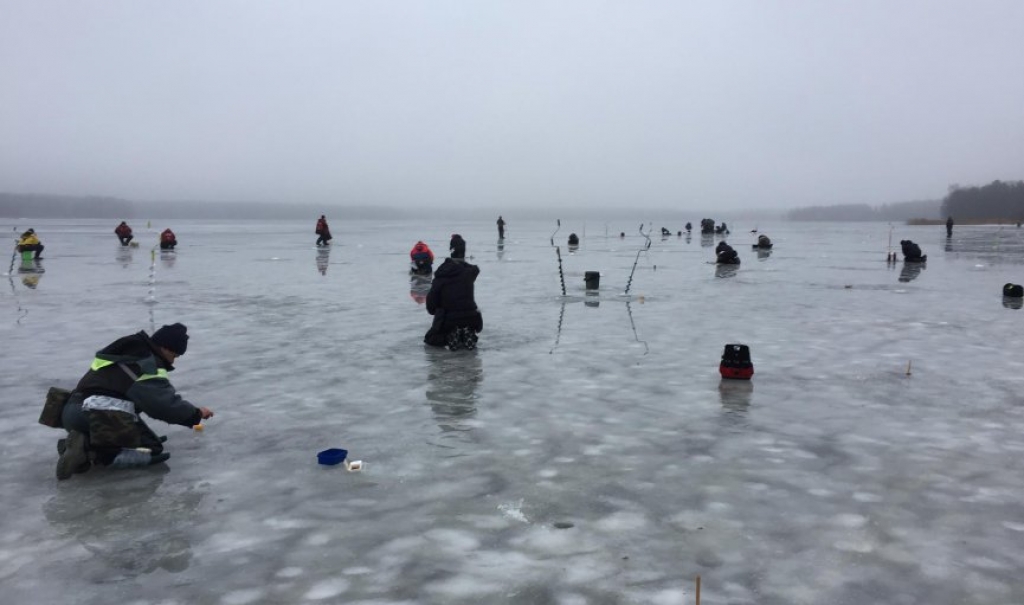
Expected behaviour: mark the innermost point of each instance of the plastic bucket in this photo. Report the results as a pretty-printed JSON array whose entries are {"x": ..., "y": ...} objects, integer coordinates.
[
  {"x": 592, "y": 279},
  {"x": 26, "y": 255},
  {"x": 332, "y": 456}
]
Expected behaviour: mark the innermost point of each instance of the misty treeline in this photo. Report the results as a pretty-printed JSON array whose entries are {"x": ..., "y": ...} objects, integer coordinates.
[
  {"x": 26, "y": 205},
  {"x": 997, "y": 200},
  {"x": 899, "y": 211}
]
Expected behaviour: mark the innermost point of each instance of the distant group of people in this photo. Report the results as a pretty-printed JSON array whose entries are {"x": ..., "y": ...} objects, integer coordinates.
[
  {"x": 124, "y": 234},
  {"x": 707, "y": 225}
]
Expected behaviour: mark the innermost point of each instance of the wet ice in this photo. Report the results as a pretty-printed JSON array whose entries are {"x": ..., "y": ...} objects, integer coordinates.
[{"x": 831, "y": 477}]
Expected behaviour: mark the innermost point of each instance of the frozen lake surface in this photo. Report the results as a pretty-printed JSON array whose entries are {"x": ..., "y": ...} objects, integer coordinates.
[{"x": 588, "y": 452}]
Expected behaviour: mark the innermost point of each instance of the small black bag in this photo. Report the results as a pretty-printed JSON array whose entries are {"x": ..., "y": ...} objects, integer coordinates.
[
  {"x": 1013, "y": 290},
  {"x": 53, "y": 408}
]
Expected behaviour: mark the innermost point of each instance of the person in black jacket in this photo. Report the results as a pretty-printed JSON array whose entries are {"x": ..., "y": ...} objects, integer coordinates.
[
  {"x": 726, "y": 255},
  {"x": 103, "y": 415},
  {"x": 457, "y": 320},
  {"x": 911, "y": 251}
]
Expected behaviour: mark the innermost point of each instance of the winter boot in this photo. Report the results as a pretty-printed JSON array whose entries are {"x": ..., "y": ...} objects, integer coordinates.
[
  {"x": 74, "y": 458},
  {"x": 137, "y": 458}
]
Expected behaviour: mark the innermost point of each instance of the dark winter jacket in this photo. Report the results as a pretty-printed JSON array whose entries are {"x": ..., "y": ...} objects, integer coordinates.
[
  {"x": 151, "y": 391},
  {"x": 451, "y": 296},
  {"x": 726, "y": 255},
  {"x": 911, "y": 251}
]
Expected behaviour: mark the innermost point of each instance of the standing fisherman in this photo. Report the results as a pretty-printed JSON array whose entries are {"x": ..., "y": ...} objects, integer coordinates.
[
  {"x": 501, "y": 227},
  {"x": 323, "y": 231}
]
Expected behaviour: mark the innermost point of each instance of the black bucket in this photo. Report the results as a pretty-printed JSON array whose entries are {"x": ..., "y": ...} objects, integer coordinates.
[
  {"x": 592, "y": 279},
  {"x": 1013, "y": 290}
]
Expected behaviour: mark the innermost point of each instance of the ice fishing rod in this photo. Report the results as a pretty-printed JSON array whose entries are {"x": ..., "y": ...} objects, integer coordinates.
[
  {"x": 645, "y": 248},
  {"x": 14, "y": 252},
  {"x": 561, "y": 274},
  {"x": 558, "y": 334},
  {"x": 558, "y": 251},
  {"x": 22, "y": 312}
]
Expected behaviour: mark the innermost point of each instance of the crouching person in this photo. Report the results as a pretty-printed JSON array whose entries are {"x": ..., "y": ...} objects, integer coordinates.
[
  {"x": 103, "y": 416},
  {"x": 451, "y": 301}
]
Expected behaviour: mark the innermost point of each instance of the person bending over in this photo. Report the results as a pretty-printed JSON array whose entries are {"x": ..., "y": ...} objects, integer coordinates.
[
  {"x": 103, "y": 415},
  {"x": 726, "y": 255},
  {"x": 29, "y": 242},
  {"x": 124, "y": 233},
  {"x": 167, "y": 240},
  {"x": 911, "y": 251}
]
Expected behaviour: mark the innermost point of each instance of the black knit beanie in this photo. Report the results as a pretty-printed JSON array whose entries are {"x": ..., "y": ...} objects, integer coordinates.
[
  {"x": 457, "y": 246},
  {"x": 173, "y": 338}
]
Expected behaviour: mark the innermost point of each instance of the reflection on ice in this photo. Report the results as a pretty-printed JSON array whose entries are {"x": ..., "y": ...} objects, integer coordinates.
[
  {"x": 910, "y": 271},
  {"x": 831, "y": 477},
  {"x": 452, "y": 381},
  {"x": 126, "y": 522}
]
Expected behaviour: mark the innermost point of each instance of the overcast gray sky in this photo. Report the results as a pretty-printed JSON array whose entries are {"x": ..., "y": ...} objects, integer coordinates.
[{"x": 717, "y": 104}]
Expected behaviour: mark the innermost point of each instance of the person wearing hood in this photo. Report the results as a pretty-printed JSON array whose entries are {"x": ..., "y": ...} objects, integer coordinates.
[
  {"x": 103, "y": 415},
  {"x": 911, "y": 252},
  {"x": 726, "y": 255},
  {"x": 29, "y": 242},
  {"x": 168, "y": 240},
  {"x": 422, "y": 258},
  {"x": 457, "y": 320},
  {"x": 124, "y": 233}
]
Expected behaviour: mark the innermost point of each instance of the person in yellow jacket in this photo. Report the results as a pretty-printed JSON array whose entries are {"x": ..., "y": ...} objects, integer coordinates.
[{"x": 30, "y": 243}]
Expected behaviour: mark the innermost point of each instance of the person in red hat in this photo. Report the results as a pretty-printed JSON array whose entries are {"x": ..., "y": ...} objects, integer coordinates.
[{"x": 103, "y": 415}]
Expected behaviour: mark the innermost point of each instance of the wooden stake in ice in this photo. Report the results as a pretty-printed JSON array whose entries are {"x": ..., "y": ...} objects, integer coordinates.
[
  {"x": 909, "y": 362},
  {"x": 698, "y": 590}
]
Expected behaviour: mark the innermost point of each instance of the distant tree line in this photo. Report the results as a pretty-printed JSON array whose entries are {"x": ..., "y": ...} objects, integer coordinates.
[
  {"x": 899, "y": 211},
  {"x": 997, "y": 200},
  {"x": 26, "y": 205}
]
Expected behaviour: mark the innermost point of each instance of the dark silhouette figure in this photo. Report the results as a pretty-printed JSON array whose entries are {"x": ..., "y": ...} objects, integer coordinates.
[
  {"x": 949, "y": 226},
  {"x": 726, "y": 255},
  {"x": 323, "y": 231},
  {"x": 124, "y": 233},
  {"x": 457, "y": 320},
  {"x": 501, "y": 227},
  {"x": 574, "y": 240},
  {"x": 912, "y": 252}
]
